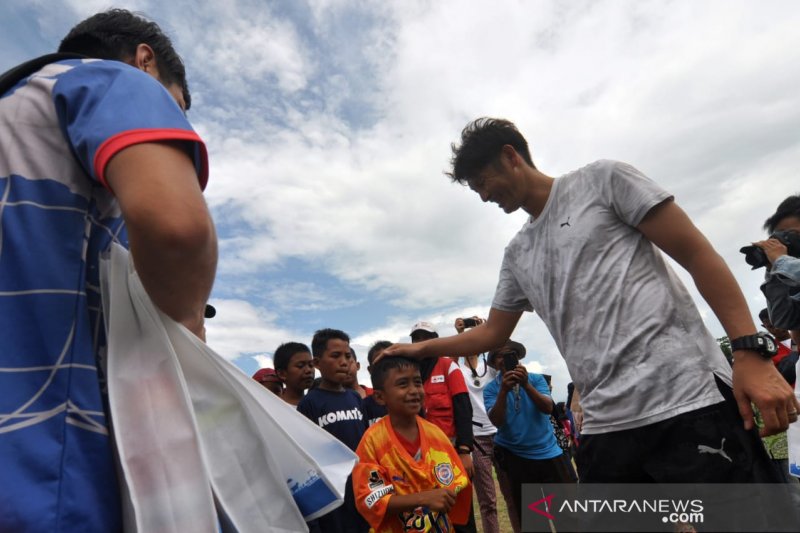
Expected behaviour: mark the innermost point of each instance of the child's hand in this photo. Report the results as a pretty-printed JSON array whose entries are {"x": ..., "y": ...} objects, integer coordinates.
[{"x": 438, "y": 500}]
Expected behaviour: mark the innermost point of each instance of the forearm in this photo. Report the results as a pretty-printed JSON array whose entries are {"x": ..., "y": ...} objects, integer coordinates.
[
  {"x": 404, "y": 502},
  {"x": 720, "y": 290},
  {"x": 497, "y": 414},
  {"x": 462, "y": 417},
  {"x": 487, "y": 336},
  {"x": 542, "y": 402}
]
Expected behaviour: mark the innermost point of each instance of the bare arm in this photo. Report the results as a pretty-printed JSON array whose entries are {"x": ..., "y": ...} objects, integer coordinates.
[
  {"x": 543, "y": 402},
  {"x": 438, "y": 500},
  {"x": 489, "y": 335},
  {"x": 754, "y": 378},
  {"x": 172, "y": 237}
]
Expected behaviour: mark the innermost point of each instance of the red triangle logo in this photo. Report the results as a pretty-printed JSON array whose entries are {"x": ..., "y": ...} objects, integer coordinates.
[{"x": 547, "y": 502}]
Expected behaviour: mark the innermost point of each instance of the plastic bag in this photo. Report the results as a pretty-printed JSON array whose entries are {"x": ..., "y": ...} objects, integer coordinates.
[{"x": 200, "y": 444}]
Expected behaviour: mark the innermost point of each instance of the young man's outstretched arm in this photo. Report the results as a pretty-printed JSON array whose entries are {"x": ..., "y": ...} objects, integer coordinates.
[{"x": 487, "y": 336}]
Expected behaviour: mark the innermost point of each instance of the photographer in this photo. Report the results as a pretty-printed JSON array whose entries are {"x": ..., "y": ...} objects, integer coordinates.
[
  {"x": 519, "y": 405},
  {"x": 782, "y": 284}
]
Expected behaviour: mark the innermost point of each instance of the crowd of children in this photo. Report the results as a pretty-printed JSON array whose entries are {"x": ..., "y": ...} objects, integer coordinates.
[{"x": 411, "y": 475}]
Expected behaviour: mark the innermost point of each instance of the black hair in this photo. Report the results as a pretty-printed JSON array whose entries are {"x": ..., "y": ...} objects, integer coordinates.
[
  {"x": 320, "y": 341},
  {"x": 481, "y": 143},
  {"x": 284, "y": 354},
  {"x": 548, "y": 378},
  {"x": 381, "y": 369},
  {"x": 375, "y": 348},
  {"x": 790, "y": 207},
  {"x": 115, "y": 34}
]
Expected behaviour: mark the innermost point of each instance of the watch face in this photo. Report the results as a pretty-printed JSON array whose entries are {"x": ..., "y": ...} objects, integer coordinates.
[{"x": 771, "y": 347}]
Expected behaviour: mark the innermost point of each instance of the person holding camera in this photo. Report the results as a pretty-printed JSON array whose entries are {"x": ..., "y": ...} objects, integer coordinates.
[
  {"x": 781, "y": 257},
  {"x": 519, "y": 405}
]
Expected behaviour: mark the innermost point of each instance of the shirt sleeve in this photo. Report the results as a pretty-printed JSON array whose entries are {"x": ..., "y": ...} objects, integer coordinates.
[
  {"x": 508, "y": 295},
  {"x": 372, "y": 487},
  {"x": 630, "y": 193},
  {"x": 787, "y": 270},
  {"x": 104, "y": 107}
]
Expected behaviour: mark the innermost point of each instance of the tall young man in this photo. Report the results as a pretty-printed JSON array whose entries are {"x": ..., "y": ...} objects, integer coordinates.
[
  {"x": 94, "y": 151},
  {"x": 651, "y": 377}
]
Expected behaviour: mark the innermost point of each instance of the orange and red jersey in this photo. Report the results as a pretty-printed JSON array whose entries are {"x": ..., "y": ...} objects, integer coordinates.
[{"x": 386, "y": 468}]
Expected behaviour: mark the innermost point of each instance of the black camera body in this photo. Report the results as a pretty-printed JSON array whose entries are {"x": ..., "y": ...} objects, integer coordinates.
[
  {"x": 510, "y": 361},
  {"x": 755, "y": 256},
  {"x": 469, "y": 323}
]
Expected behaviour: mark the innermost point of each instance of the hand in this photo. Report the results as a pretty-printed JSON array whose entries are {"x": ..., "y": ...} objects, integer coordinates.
[
  {"x": 466, "y": 460},
  {"x": 773, "y": 248},
  {"x": 577, "y": 416},
  {"x": 438, "y": 500},
  {"x": 412, "y": 351},
  {"x": 513, "y": 378},
  {"x": 756, "y": 380}
]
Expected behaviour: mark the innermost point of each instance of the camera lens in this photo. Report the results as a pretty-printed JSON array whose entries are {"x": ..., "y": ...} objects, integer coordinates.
[{"x": 754, "y": 256}]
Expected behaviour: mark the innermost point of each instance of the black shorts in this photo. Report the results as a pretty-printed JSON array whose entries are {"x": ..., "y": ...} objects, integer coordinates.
[{"x": 708, "y": 445}]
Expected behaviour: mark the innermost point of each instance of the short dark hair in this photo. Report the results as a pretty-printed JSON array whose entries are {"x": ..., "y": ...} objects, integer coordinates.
[
  {"x": 790, "y": 207},
  {"x": 381, "y": 369},
  {"x": 115, "y": 34},
  {"x": 320, "y": 341},
  {"x": 284, "y": 353},
  {"x": 375, "y": 348},
  {"x": 481, "y": 143}
]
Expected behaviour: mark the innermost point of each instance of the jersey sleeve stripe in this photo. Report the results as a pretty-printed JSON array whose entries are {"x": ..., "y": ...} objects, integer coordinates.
[{"x": 115, "y": 144}]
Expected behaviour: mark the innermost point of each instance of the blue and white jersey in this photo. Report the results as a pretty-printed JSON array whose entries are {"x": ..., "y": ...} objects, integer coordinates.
[{"x": 58, "y": 130}]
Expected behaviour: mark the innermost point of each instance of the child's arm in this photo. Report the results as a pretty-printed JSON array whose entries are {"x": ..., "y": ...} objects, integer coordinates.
[{"x": 438, "y": 500}]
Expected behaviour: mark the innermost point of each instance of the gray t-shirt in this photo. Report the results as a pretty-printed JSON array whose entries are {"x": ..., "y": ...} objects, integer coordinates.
[{"x": 634, "y": 342}]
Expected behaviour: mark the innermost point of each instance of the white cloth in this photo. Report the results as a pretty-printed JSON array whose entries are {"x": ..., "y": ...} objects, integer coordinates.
[
  {"x": 633, "y": 340},
  {"x": 481, "y": 425},
  {"x": 194, "y": 433}
]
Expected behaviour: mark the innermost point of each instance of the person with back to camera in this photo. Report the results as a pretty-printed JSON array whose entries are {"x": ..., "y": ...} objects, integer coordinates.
[
  {"x": 409, "y": 477},
  {"x": 96, "y": 151},
  {"x": 653, "y": 383}
]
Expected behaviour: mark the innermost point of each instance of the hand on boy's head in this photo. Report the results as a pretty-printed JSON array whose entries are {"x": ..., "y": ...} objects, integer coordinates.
[
  {"x": 413, "y": 351},
  {"x": 438, "y": 500}
]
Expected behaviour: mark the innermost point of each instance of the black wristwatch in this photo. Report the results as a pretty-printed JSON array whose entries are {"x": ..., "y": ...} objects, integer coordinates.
[{"x": 762, "y": 343}]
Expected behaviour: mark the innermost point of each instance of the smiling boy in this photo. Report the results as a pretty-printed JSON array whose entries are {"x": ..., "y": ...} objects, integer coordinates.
[{"x": 409, "y": 477}]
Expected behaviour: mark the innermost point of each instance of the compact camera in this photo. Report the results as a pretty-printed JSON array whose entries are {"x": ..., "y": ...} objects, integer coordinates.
[
  {"x": 755, "y": 256},
  {"x": 469, "y": 323}
]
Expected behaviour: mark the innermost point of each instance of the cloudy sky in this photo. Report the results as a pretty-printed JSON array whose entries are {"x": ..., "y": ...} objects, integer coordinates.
[{"x": 329, "y": 124}]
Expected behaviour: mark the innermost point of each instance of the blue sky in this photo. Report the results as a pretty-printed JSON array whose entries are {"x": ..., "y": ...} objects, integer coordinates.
[{"x": 328, "y": 125}]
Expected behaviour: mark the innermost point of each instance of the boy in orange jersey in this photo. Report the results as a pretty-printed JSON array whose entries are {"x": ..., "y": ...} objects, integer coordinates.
[{"x": 409, "y": 477}]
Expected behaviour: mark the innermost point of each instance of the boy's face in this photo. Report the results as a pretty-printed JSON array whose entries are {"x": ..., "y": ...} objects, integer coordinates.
[
  {"x": 402, "y": 392},
  {"x": 334, "y": 363},
  {"x": 299, "y": 373}
]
